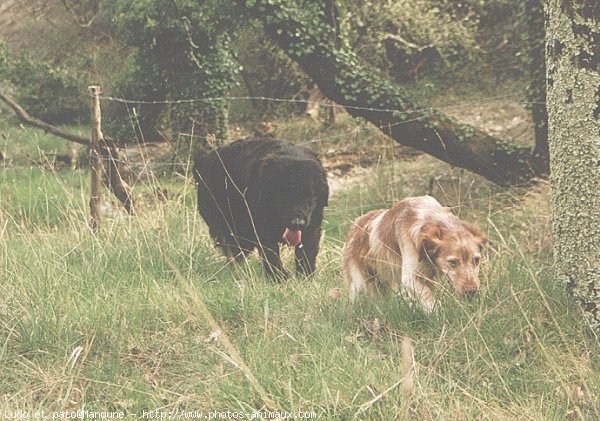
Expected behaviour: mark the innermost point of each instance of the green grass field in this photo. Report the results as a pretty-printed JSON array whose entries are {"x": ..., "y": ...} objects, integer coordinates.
[{"x": 146, "y": 315}]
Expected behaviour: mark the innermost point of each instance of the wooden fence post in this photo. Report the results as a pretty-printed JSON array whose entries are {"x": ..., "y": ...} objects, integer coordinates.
[{"x": 96, "y": 166}]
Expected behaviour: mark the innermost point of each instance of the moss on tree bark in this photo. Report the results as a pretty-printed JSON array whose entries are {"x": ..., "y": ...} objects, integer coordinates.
[{"x": 573, "y": 66}]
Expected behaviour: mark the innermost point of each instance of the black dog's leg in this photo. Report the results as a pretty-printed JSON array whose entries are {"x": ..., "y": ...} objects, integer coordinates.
[
  {"x": 306, "y": 256},
  {"x": 234, "y": 248},
  {"x": 271, "y": 261},
  {"x": 225, "y": 242},
  {"x": 232, "y": 252}
]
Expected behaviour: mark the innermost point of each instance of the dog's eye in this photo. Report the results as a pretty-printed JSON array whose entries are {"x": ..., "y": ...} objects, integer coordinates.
[
  {"x": 453, "y": 262},
  {"x": 476, "y": 260}
]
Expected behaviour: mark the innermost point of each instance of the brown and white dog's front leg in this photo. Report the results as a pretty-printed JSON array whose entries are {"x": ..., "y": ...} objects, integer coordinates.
[
  {"x": 412, "y": 281},
  {"x": 355, "y": 278}
]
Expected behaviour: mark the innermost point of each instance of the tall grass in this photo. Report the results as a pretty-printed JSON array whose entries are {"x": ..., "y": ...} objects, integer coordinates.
[{"x": 116, "y": 321}]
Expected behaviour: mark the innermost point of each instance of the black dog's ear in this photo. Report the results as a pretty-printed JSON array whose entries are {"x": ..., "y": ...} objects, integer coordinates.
[
  {"x": 319, "y": 180},
  {"x": 324, "y": 193},
  {"x": 269, "y": 172}
]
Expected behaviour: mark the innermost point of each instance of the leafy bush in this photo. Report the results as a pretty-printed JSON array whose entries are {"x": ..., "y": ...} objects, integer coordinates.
[
  {"x": 396, "y": 35},
  {"x": 3, "y": 60},
  {"x": 266, "y": 71},
  {"x": 53, "y": 94},
  {"x": 182, "y": 51},
  {"x": 405, "y": 37}
]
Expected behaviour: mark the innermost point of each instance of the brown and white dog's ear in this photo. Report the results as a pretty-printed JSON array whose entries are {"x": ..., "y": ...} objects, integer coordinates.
[
  {"x": 478, "y": 233},
  {"x": 429, "y": 240}
]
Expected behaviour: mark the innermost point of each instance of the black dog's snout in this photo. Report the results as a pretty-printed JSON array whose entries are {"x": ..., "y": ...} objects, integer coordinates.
[{"x": 297, "y": 224}]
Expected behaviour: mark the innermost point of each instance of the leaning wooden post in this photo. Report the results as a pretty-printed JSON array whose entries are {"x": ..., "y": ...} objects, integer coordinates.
[{"x": 95, "y": 159}]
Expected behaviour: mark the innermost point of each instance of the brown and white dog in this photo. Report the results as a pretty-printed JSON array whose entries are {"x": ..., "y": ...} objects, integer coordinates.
[{"x": 416, "y": 244}]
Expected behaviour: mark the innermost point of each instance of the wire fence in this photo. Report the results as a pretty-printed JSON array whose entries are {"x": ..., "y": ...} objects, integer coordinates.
[
  {"x": 151, "y": 166},
  {"x": 324, "y": 104},
  {"x": 424, "y": 112},
  {"x": 366, "y": 133},
  {"x": 359, "y": 130}
]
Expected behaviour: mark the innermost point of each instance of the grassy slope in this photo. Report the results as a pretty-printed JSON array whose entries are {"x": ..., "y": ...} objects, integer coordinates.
[{"x": 130, "y": 299}]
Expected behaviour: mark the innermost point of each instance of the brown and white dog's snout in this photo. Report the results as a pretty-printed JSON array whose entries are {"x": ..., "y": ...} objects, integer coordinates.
[{"x": 468, "y": 290}]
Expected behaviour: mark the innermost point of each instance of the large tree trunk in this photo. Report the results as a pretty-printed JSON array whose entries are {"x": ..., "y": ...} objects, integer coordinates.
[
  {"x": 304, "y": 33},
  {"x": 536, "y": 92},
  {"x": 573, "y": 62}
]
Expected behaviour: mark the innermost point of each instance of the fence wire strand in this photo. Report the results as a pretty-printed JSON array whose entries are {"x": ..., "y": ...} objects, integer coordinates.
[
  {"x": 369, "y": 131},
  {"x": 324, "y": 104}
]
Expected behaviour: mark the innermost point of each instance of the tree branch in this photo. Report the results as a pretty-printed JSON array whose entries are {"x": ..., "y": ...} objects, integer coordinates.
[
  {"x": 304, "y": 34},
  {"x": 80, "y": 20},
  {"x": 108, "y": 151},
  {"x": 25, "y": 117}
]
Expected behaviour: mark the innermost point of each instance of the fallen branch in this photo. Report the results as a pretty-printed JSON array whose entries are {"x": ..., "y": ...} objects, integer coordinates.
[
  {"x": 108, "y": 151},
  {"x": 26, "y": 118},
  {"x": 112, "y": 175}
]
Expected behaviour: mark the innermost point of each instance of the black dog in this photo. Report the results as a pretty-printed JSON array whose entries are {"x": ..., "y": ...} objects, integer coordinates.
[{"x": 258, "y": 193}]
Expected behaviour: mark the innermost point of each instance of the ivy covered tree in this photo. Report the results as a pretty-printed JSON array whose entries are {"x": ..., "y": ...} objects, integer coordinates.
[
  {"x": 303, "y": 29},
  {"x": 182, "y": 50}
]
